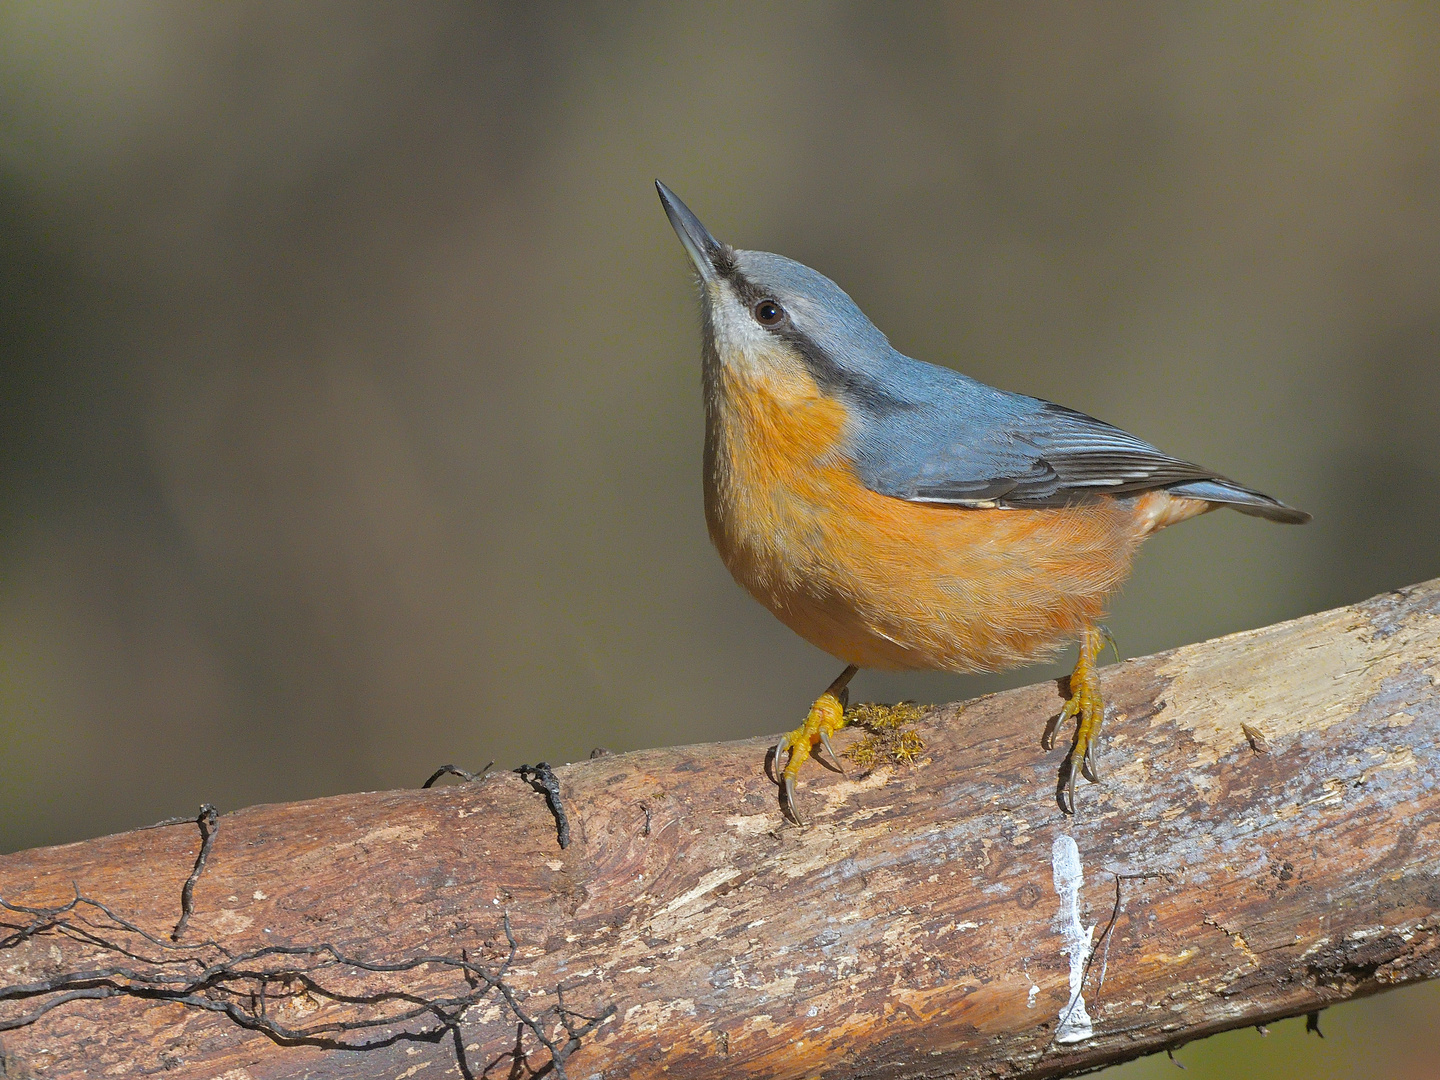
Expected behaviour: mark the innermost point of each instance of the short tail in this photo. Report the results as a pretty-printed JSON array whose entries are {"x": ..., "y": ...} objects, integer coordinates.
[{"x": 1229, "y": 493}]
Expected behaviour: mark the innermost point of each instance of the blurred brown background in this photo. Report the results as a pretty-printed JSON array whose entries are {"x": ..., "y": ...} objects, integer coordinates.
[{"x": 351, "y": 418}]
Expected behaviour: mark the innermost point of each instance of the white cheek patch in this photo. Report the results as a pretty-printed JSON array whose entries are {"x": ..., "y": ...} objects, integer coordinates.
[
  {"x": 735, "y": 327},
  {"x": 744, "y": 346}
]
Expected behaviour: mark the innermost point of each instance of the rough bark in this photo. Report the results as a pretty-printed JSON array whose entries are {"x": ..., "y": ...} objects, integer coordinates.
[{"x": 1266, "y": 841}]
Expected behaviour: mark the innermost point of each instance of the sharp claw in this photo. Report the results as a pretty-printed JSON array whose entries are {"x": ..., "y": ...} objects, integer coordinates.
[
  {"x": 790, "y": 803},
  {"x": 772, "y": 763},
  {"x": 1070, "y": 790},
  {"x": 834, "y": 764},
  {"x": 1087, "y": 763},
  {"x": 1110, "y": 640}
]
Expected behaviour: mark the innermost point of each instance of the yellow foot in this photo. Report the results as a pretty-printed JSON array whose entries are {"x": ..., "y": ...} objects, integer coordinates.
[
  {"x": 1088, "y": 708},
  {"x": 827, "y": 716}
]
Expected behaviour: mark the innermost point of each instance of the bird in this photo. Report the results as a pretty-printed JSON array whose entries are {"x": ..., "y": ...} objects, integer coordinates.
[{"x": 901, "y": 515}]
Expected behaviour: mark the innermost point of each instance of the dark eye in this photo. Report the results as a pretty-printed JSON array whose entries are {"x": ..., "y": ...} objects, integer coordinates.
[{"x": 768, "y": 313}]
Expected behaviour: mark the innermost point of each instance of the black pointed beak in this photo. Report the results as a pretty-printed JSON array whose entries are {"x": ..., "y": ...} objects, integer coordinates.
[{"x": 699, "y": 244}]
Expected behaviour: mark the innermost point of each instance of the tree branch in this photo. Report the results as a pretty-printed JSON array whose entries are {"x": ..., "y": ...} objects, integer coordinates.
[{"x": 1266, "y": 842}]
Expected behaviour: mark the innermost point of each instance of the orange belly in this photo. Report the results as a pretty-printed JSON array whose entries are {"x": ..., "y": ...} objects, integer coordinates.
[{"x": 884, "y": 583}]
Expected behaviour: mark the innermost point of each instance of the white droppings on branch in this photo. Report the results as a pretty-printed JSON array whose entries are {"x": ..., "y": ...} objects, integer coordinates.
[{"x": 1075, "y": 1024}]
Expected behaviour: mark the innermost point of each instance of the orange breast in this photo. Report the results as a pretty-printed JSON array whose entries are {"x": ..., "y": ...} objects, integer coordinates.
[{"x": 885, "y": 583}]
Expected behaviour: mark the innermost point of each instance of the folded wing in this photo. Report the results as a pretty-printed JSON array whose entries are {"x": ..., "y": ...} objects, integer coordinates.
[{"x": 1033, "y": 454}]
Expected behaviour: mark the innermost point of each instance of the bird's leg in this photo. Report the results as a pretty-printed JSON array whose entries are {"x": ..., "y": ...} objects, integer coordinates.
[
  {"x": 826, "y": 717},
  {"x": 1088, "y": 708}
]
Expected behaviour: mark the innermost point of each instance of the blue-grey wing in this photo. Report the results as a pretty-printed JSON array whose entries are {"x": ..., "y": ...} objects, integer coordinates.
[
  {"x": 1058, "y": 456},
  {"x": 1021, "y": 452}
]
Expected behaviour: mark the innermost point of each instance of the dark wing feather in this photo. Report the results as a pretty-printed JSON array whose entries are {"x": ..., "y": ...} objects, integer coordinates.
[{"x": 1056, "y": 456}]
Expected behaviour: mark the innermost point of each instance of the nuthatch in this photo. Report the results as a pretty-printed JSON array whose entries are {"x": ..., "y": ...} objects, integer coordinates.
[{"x": 903, "y": 516}]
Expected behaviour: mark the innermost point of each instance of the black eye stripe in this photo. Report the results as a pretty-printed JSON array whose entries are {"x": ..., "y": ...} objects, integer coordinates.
[{"x": 831, "y": 376}]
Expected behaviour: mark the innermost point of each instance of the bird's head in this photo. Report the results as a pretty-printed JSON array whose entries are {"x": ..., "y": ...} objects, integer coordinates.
[{"x": 770, "y": 317}]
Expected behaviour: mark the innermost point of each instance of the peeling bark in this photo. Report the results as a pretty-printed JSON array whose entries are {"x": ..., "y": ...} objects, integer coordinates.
[{"x": 1266, "y": 842}]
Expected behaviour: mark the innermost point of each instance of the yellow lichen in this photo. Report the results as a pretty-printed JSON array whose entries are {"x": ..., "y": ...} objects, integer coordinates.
[
  {"x": 875, "y": 717},
  {"x": 908, "y": 747},
  {"x": 889, "y": 734}
]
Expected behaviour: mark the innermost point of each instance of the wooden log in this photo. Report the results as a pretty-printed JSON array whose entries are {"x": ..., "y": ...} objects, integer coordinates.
[{"x": 1265, "y": 842}]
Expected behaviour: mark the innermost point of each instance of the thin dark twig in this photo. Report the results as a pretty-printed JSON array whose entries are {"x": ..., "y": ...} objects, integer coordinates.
[
  {"x": 577, "y": 1033},
  {"x": 50, "y": 918},
  {"x": 238, "y": 986},
  {"x": 1105, "y": 939},
  {"x": 126, "y": 924},
  {"x": 455, "y": 770},
  {"x": 73, "y": 995},
  {"x": 209, "y": 822},
  {"x": 543, "y": 779},
  {"x": 1114, "y": 916},
  {"x": 169, "y": 822},
  {"x": 42, "y": 919},
  {"x": 558, "y": 1054},
  {"x": 462, "y": 1058}
]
